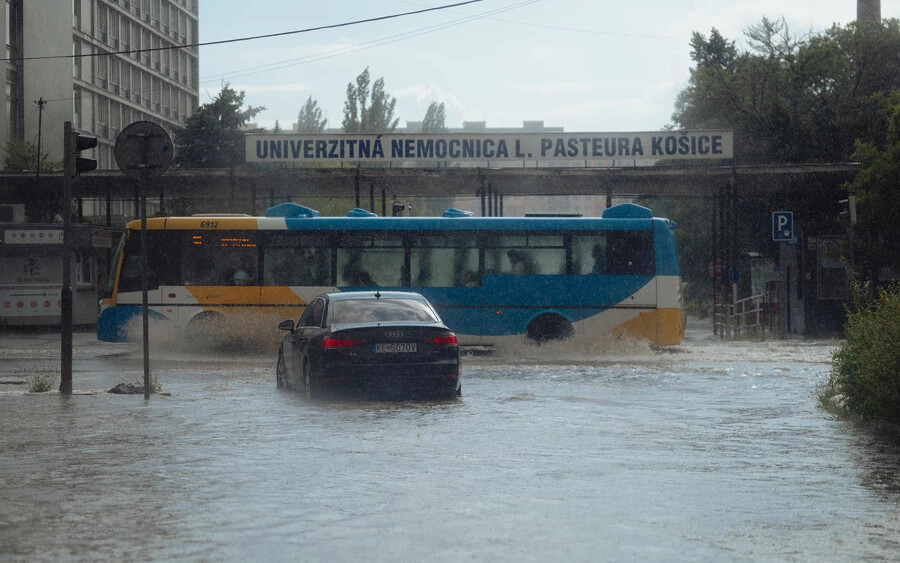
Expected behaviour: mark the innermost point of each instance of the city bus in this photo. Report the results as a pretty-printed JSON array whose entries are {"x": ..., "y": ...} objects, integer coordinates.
[{"x": 492, "y": 279}]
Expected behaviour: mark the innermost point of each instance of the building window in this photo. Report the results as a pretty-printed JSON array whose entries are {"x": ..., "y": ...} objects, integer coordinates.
[
  {"x": 12, "y": 29},
  {"x": 102, "y": 71},
  {"x": 76, "y": 59},
  {"x": 102, "y": 23},
  {"x": 76, "y": 107}
]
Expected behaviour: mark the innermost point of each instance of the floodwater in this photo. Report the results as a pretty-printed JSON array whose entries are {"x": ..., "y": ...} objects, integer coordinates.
[{"x": 711, "y": 451}]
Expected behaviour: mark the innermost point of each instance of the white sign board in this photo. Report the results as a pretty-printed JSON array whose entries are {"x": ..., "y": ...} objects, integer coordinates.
[
  {"x": 30, "y": 302},
  {"x": 33, "y": 236},
  {"x": 474, "y": 147}
]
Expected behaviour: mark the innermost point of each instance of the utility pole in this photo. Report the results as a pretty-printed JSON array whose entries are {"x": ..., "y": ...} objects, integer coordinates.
[
  {"x": 41, "y": 102},
  {"x": 65, "y": 383}
]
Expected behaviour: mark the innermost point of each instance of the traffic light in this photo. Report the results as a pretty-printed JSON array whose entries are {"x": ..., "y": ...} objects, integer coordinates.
[
  {"x": 79, "y": 143},
  {"x": 849, "y": 213}
]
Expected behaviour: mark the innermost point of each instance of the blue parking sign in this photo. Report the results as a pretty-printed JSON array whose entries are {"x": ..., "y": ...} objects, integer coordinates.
[{"x": 783, "y": 225}]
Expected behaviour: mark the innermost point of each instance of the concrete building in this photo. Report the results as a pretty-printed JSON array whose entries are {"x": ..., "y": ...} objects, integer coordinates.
[{"x": 101, "y": 64}]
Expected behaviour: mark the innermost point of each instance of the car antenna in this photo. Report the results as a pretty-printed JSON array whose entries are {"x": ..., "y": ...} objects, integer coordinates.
[{"x": 377, "y": 294}]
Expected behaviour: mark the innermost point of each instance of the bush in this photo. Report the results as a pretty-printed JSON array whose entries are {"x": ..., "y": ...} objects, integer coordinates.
[
  {"x": 41, "y": 382},
  {"x": 866, "y": 367}
]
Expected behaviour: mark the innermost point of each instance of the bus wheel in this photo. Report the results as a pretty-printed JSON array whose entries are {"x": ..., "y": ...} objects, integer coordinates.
[
  {"x": 205, "y": 329},
  {"x": 548, "y": 327}
]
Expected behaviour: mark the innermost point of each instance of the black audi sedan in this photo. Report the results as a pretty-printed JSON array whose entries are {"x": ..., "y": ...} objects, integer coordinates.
[{"x": 390, "y": 344}]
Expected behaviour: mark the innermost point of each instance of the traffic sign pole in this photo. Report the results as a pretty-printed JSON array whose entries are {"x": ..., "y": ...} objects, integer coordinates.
[{"x": 143, "y": 150}]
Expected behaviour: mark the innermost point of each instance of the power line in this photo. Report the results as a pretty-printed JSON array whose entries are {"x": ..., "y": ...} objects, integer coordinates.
[
  {"x": 360, "y": 46},
  {"x": 574, "y": 29},
  {"x": 252, "y": 38}
]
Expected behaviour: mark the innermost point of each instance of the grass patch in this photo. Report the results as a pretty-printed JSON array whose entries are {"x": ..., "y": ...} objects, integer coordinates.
[
  {"x": 155, "y": 385},
  {"x": 42, "y": 381}
]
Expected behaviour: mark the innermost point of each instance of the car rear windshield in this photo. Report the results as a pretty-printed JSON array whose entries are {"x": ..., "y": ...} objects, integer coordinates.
[{"x": 379, "y": 310}]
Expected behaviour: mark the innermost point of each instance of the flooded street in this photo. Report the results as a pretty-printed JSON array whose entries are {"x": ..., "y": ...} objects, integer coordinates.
[{"x": 711, "y": 451}]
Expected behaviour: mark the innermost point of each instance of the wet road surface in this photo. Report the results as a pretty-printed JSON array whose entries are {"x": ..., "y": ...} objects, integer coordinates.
[{"x": 712, "y": 451}]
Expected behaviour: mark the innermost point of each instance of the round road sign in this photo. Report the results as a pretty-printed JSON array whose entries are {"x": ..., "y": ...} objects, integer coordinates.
[{"x": 143, "y": 148}]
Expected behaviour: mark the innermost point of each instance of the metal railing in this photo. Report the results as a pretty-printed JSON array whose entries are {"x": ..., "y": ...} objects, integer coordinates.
[{"x": 750, "y": 316}]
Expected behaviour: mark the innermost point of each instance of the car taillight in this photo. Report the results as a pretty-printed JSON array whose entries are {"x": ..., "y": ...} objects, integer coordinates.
[
  {"x": 329, "y": 343},
  {"x": 446, "y": 340}
]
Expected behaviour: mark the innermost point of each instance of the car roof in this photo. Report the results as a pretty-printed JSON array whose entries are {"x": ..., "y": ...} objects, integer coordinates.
[{"x": 348, "y": 295}]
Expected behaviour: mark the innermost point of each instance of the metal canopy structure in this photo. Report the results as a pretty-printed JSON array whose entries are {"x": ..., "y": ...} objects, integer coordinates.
[{"x": 238, "y": 190}]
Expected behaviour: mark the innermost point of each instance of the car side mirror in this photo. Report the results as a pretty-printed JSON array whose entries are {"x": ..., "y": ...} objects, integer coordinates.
[{"x": 286, "y": 325}]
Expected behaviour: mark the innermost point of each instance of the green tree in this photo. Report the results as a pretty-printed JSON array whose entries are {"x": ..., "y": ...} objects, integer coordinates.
[
  {"x": 212, "y": 137},
  {"x": 310, "y": 119},
  {"x": 277, "y": 128},
  {"x": 368, "y": 114},
  {"x": 22, "y": 155},
  {"x": 790, "y": 99},
  {"x": 435, "y": 117},
  {"x": 878, "y": 198}
]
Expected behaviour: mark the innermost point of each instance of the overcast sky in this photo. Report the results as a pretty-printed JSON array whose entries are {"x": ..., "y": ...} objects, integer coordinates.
[{"x": 582, "y": 65}]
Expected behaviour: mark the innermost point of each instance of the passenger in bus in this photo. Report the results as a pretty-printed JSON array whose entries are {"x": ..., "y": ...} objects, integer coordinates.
[
  {"x": 243, "y": 274},
  {"x": 599, "y": 260},
  {"x": 352, "y": 272},
  {"x": 518, "y": 262},
  {"x": 470, "y": 279},
  {"x": 363, "y": 278}
]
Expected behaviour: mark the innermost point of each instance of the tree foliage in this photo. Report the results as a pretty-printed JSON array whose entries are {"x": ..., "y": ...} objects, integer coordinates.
[
  {"x": 365, "y": 113},
  {"x": 22, "y": 155},
  {"x": 212, "y": 137},
  {"x": 311, "y": 119},
  {"x": 792, "y": 99},
  {"x": 877, "y": 190},
  {"x": 435, "y": 117},
  {"x": 866, "y": 366}
]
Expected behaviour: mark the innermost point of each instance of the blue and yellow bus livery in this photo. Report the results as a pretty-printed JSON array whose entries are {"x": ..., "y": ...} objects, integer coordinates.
[{"x": 492, "y": 279}]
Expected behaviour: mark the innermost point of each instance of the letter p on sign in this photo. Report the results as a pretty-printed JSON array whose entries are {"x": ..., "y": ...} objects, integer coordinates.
[{"x": 783, "y": 225}]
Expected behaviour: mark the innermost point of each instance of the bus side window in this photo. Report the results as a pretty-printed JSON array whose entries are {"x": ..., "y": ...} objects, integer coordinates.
[
  {"x": 444, "y": 261},
  {"x": 589, "y": 255},
  {"x": 630, "y": 253},
  {"x": 276, "y": 267},
  {"x": 371, "y": 260}
]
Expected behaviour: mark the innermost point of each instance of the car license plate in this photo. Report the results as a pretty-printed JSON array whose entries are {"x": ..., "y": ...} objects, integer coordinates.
[{"x": 395, "y": 347}]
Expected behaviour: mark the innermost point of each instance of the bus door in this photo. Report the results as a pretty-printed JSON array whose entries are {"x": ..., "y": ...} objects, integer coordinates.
[
  {"x": 614, "y": 277},
  {"x": 525, "y": 277}
]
